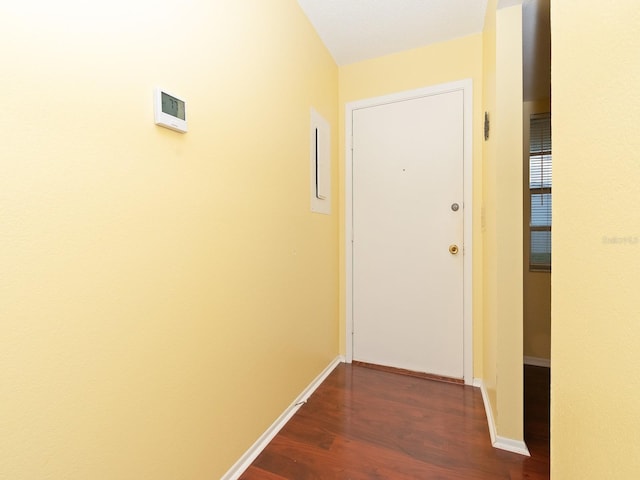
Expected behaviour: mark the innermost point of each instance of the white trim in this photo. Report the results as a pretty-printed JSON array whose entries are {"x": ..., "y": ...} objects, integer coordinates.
[
  {"x": 502, "y": 443},
  {"x": 537, "y": 362},
  {"x": 478, "y": 383},
  {"x": 467, "y": 88},
  {"x": 252, "y": 453},
  {"x": 510, "y": 445}
]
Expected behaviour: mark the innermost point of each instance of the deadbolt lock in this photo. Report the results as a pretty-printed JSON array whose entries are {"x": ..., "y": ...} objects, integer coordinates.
[
  {"x": 453, "y": 249},
  {"x": 455, "y": 207}
]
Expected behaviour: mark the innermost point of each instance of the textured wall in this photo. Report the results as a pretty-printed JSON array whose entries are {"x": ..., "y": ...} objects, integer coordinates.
[
  {"x": 164, "y": 296},
  {"x": 595, "y": 386},
  {"x": 502, "y": 218}
]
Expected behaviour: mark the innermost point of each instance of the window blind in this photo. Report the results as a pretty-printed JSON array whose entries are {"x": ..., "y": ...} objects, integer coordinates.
[{"x": 540, "y": 182}]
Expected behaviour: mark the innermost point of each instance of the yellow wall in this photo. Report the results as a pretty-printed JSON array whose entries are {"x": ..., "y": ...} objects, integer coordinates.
[
  {"x": 158, "y": 310},
  {"x": 431, "y": 65},
  {"x": 502, "y": 224},
  {"x": 595, "y": 413},
  {"x": 508, "y": 211},
  {"x": 537, "y": 284},
  {"x": 488, "y": 217}
]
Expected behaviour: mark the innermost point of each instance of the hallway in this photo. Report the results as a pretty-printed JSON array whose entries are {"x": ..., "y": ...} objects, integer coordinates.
[{"x": 363, "y": 424}]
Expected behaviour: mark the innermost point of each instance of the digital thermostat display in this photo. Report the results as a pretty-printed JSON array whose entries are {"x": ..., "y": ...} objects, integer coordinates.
[
  {"x": 170, "y": 111},
  {"x": 172, "y": 106}
]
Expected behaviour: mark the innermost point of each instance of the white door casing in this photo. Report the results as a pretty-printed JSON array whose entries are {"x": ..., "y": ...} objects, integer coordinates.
[{"x": 404, "y": 192}]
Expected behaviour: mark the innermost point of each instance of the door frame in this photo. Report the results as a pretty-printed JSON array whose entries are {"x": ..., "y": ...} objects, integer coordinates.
[{"x": 466, "y": 86}]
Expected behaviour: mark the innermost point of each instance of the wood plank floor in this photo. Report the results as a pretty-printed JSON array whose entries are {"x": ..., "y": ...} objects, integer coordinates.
[{"x": 364, "y": 424}]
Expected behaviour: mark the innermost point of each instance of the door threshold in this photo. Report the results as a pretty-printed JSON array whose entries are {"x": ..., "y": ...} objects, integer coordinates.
[{"x": 410, "y": 373}]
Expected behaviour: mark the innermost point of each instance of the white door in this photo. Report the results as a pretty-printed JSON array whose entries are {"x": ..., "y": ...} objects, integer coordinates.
[{"x": 408, "y": 159}]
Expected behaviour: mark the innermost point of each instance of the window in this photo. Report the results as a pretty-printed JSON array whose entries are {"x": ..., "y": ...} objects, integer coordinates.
[{"x": 540, "y": 192}]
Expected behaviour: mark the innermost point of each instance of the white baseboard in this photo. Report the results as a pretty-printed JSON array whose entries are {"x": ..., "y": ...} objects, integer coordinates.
[
  {"x": 502, "y": 443},
  {"x": 250, "y": 455},
  {"x": 510, "y": 445},
  {"x": 537, "y": 362},
  {"x": 477, "y": 382}
]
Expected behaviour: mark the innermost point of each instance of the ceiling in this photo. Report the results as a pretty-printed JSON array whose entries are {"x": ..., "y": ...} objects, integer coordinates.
[{"x": 355, "y": 30}]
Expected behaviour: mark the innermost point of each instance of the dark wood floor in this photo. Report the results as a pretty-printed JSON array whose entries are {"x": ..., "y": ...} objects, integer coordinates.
[{"x": 364, "y": 424}]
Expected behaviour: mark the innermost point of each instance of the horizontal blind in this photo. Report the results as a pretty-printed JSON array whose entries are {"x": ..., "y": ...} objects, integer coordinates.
[
  {"x": 540, "y": 182},
  {"x": 540, "y": 151}
]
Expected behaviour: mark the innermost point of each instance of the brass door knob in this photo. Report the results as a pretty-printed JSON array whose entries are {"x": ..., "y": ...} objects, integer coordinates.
[{"x": 453, "y": 249}]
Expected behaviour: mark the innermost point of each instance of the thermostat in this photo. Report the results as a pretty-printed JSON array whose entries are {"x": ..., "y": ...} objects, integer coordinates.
[{"x": 170, "y": 110}]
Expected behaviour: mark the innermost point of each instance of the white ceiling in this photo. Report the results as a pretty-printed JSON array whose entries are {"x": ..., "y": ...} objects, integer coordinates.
[{"x": 355, "y": 30}]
